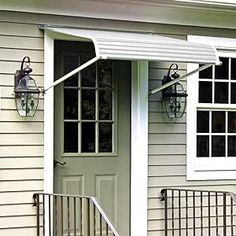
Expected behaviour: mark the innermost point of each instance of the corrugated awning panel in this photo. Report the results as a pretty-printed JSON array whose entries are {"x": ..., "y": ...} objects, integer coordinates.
[{"x": 142, "y": 46}]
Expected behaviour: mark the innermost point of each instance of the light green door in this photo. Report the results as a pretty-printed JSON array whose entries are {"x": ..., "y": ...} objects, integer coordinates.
[{"x": 92, "y": 131}]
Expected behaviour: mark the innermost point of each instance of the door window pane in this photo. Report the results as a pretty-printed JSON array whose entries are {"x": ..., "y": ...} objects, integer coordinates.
[
  {"x": 105, "y": 104},
  {"x": 205, "y": 92},
  {"x": 105, "y": 74},
  {"x": 105, "y": 137},
  {"x": 218, "y": 121},
  {"x": 88, "y": 104},
  {"x": 70, "y": 63},
  {"x": 70, "y": 104},
  {"x": 233, "y": 93},
  {"x": 202, "y": 121},
  {"x": 88, "y": 75},
  {"x": 205, "y": 74},
  {"x": 233, "y": 68},
  {"x": 232, "y": 146},
  {"x": 222, "y": 71},
  {"x": 218, "y": 146},
  {"x": 88, "y": 137},
  {"x": 232, "y": 122},
  {"x": 70, "y": 137},
  {"x": 221, "y": 92},
  {"x": 202, "y": 146}
]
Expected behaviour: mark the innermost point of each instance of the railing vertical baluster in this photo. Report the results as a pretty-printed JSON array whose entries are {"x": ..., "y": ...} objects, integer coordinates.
[
  {"x": 88, "y": 215},
  {"x": 49, "y": 215},
  {"x": 94, "y": 220},
  {"x": 217, "y": 228},
  {"x": 106, "y": 229},
  {"x": 179, "y": 212},
  {"x": 166, "y": 213},
  {"x": 55, "y": 216},
  {"x": 209, "y": 214},
  {"x": 43, "y": 215},
  {"x": 173, "y": 214},
  {"x": 232, "y": 216},
  {"x": 74, "y": 216},
  {"x": 81, "y": 216},
  {"x": 201, "y": 210},
  {"x": 68, "y": 215},
  {"x": 100, "y": 223},
  {"x": 62, "y": 216},
  {"x": 194, "y": 214},
  {"x": 186, "y": 203},
  {"x": 224, "y": 214}
]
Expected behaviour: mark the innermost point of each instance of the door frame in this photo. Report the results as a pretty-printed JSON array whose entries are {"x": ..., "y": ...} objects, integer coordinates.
[{"x": 139, "y": 133}]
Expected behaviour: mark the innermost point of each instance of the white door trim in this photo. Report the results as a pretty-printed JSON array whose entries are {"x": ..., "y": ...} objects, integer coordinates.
[{"x": 139, "y": 135}]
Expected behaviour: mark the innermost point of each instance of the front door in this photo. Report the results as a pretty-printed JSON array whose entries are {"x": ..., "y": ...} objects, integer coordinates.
[{"x": 92, "y": 131}]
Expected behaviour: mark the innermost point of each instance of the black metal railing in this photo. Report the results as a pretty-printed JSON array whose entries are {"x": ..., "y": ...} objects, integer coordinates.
[
  {"x": 70, "y": 215},
  {"x": 199, "y": 213}
]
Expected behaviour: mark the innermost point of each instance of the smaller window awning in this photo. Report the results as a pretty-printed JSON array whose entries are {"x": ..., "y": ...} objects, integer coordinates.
[{"x": 120, "y": 45}]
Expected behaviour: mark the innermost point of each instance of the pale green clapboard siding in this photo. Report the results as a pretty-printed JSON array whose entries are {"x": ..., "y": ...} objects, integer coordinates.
[
  {"x": 21, "y": 139},
  {"x": 167, "y": 154}
]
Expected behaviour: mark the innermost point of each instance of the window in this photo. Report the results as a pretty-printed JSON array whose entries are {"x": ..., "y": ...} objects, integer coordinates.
[
  {"x": 89, "y": 107},
  {"x": 211, "y": 119}
]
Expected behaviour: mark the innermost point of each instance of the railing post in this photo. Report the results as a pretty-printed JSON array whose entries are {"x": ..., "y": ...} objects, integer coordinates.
[
  {"x": 36, "y": 204},
  {"x": 164, "y": 198}
]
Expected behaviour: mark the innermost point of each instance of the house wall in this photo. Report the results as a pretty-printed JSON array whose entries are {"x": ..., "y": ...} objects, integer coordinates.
[{"x": 21, "y": 139}]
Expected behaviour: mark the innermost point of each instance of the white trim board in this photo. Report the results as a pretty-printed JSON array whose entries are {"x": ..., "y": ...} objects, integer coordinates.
[{"x": 139, "y": 132}]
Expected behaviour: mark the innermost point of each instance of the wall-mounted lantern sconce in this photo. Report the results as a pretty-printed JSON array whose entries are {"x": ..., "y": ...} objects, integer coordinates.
[
  {"x": 26, "y": 90},
  {"x": 174, "y": 97}
]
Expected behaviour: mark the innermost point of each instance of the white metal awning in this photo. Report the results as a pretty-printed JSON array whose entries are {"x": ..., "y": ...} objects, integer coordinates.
[{"x": 120, "y": 45}]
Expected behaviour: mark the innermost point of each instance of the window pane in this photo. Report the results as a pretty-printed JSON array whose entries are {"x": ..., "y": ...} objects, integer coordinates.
[
  {"x": 233, "y": 68},
  {"x": 218, "y": 146},
  {"x": 202, "y": 121},
  {"x": 88, "y": 137},
  {"x": 70, "y": 137},
  {"x": 232, "y": 146},
  {"x": 205, "y": 92},
  {"x": 222, "y": 71},
  {"x": 218, "y": 121},
  {"x": 206, "y": 74},
  {"x": 202, "y": 146},
  {"x": 70, "y": 63},
  {"x": 105, "y": 73},
  {"x": 70, "y": 103},
  {"x": 221, "y": 92},
  {"x": 233, "y": 93},
  {"x": 105, "y": 137},
  {"x": 105, "y": 104},
  {"x": 88, "y": 104},
  {"x": 88, "y": 75},
  {"x": 232, "y": 122}
]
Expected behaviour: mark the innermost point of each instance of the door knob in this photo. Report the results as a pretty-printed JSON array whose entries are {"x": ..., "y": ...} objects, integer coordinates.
[{"x": 56, "y": 162}]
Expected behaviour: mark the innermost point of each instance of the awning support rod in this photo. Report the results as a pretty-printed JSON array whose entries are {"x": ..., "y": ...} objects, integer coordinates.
[
  {"x": 180, "y": 78},
  {"x": 78, "y": 69}
]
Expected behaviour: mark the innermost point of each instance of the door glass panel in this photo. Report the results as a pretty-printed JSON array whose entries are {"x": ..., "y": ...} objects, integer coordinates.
[
  {"x": 232, "y": 146},
  {"x": 233, "y": 93},
  {"x": 88, "y": 137},
  {"x": 70, "y": 63},
  {"x": 233, "y": 68},
  {"x": 88, "y": 75},
  {"x": 202, "y": 121},
  {"x": 218, "y": 146},
  {"x": 105, "y": 104},
  {"x": 70, "y": 137},
  {"x": 88, "y": 104},
  {"x": 232, "y": 122},
  {"x": 202, "y": 146},
  {"x": 70, "y": 104},
  {"x": 221, "y": 92},
  {"x": 205, "y": 74},
  {"x": 205, "y": 92},
  {"x": 218, "y": 121},
  {"x": 105, "y": 137},
  {"x": 222, "y": 71},
  {"x": 105, "y": 74}
]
